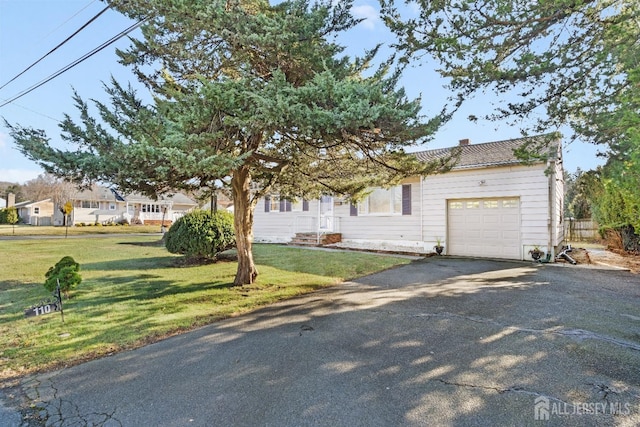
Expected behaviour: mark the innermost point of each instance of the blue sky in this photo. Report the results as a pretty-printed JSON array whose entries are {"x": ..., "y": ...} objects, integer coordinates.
[{"x": 30, "y": 28}]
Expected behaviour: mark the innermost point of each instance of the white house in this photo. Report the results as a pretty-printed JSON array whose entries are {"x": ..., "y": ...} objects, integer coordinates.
[
  {"x": 35, "y": 213},
  {"x": 490, "y": 204},
  {"x": 106, "y": 205}
]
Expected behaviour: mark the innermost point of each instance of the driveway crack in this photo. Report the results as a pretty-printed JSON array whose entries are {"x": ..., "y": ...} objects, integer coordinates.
[
  {"x": 499, "y": 390},
  {"x": 57, "y": 412},
  {"x": 578, "y": 334}
]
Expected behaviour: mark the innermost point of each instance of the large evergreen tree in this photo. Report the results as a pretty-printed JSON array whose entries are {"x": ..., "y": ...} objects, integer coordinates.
[
  {"x": 248, "y": 95},
  {"x": 556, "y": 62}
]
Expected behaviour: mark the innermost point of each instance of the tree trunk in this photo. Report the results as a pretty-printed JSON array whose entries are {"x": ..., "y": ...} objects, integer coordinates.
[{"x": 243, "y": 222}]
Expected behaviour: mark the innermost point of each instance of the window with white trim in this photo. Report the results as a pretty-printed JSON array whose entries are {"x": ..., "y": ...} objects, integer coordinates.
[
  {"x": 274, "y": 204},
  {"x": 149, "y": 208},
  {"x": 296, "y": 205},
  {"x": 36, "y": 210},
  {"x": 382, "y": 202},
  {"x": 87, "y": 204}
]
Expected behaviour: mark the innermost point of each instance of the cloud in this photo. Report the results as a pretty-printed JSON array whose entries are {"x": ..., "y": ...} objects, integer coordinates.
[{"x": 367, "y": 12}]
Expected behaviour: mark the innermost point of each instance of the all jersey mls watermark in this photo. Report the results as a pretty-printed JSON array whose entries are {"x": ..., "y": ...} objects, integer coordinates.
[{"x": 544, "y": 408}]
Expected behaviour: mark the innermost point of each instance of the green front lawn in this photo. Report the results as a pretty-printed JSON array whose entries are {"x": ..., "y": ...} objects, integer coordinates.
[
  {"x": 135, "y": 292},
  {"x": 31, "y": 230}
]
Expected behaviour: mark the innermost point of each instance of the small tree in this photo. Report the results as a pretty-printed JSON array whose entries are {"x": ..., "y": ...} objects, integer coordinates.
[
  {"x": 201, "y": 234},
  {"x": 12, "y": 217},
  {"x": 67, "y": 272}
]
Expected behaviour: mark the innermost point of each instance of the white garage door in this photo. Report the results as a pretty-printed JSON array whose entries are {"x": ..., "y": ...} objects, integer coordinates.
[{"x": 484, "y": 228}]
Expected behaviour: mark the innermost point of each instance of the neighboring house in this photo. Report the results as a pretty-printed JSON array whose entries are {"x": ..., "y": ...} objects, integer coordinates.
[
  {"x": 105, "y": 205},
  {"x": 166, "y": 209},
  {"x": 489, "y": 205},
  {"x": 35, "y": 213}
]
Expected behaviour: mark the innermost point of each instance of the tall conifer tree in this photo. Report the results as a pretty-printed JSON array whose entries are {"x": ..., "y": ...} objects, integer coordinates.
[{"x": 247, "y": 95}]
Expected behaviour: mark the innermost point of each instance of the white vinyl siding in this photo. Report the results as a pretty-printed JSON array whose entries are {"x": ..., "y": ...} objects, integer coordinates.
[
  {"x": 526, "y": 183},
  {"x": 424, "y": 207},
  {"x": 282, "y": 226},
  {"x": 390, "y": 227}
]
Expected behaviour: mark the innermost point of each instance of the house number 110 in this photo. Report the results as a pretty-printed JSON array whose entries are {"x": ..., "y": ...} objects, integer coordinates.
[{"x": 44, "y": 309}]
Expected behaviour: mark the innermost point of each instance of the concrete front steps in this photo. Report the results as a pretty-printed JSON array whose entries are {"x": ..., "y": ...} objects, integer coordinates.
[{"x": 311, "y": 239}]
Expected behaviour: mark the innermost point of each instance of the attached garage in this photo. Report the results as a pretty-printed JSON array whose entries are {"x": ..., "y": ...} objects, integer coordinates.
[
  {"x": 488, "y": 227},
  {"x": 488, "y": 204}
]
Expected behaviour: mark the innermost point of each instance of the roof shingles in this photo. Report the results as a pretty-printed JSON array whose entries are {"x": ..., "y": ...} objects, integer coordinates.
[{"x": 498, "y": 153}]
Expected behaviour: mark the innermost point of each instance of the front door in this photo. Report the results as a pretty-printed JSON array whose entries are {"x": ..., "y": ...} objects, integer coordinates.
[{"x": 326, "y": 213}]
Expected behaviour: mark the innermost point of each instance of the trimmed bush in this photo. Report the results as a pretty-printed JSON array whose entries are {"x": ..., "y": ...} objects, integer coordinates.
[
  {"x": 67, "y": 272},
  {"x": 199, "y": 234}
]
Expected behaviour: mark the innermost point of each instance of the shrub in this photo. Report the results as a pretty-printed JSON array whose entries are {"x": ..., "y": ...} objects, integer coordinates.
[
  {"x": 9, "y": 216},
  {"x": 199, "y": 234},
  {"x": 67, "y": 272}
]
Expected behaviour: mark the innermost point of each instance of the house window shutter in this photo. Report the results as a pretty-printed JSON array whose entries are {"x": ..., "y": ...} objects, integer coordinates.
[
  {"x": 406, "y": 199},
  {"x": 287, "y": 205},
  {"x": 267, "y": 203},
  {"x": 305, "y": 205},
  {"x": 283, "y": 205},
  {"x": 353, "y": 210}
]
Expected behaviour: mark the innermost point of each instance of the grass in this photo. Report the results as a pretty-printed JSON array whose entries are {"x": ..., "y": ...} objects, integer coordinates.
[
  {"x": 30, "y": 230},
  {"x": 134, "y": 292}
]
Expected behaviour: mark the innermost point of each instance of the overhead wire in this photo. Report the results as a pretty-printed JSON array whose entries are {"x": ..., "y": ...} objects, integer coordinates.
[
  {"x": 85, "y": 25},
  {"x": 68, "y": 19},
  {"x": 74, "y": 63}
]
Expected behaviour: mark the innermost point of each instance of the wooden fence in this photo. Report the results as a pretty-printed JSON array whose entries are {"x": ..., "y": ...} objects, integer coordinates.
[{"x": 581, "y": 230}]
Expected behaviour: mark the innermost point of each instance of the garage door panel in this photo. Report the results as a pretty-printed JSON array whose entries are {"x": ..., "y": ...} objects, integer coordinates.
[
  {"x": 490, "y": 219},
  {"x": 509, "y": 220},
  {"x": 490, "y": 234},
  {"x": 512, "y": 235},
  {"x": 484, "y": 227}
]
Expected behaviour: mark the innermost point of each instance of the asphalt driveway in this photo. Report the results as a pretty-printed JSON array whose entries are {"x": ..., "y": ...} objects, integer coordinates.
[{"x": 441, "y": 342}]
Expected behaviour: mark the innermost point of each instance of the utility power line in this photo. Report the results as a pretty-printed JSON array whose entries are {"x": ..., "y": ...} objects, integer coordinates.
[
  {"x": 36, "y": 112},
  {"x": 69, "y": 19},
  {"x": 58, "y": 46},
  {"x": 74, "y": 63}
]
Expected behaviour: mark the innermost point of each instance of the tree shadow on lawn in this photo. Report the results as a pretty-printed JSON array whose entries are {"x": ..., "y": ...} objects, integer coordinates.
[
  {"x": 157, "y": 262},
  {"x": 18, "y": 296},
  {"x": 142, "y": 287},
  {"x": 155, "y": 243},
  {"x": 149, "y": 263}
]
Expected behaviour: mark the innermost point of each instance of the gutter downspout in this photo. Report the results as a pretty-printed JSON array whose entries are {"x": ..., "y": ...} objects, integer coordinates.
[
  {"x": 551, "y": 195},
  {"x": 422, "y": 210},
  {"x": 319, "y": 214}
]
